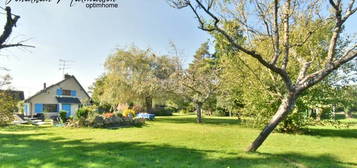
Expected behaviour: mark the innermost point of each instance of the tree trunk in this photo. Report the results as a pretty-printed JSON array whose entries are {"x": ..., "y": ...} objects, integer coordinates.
[
  {"x": 148, "y": 104},
  {"x": 199, "y": 112},
  {"x": 318, "y": 114},
  {"x": 285, "y": 107},
  {"x": 334, "y": 112}
]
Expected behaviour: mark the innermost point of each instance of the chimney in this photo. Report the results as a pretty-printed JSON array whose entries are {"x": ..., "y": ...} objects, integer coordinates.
[
  {"x": 44, "y": 86},
  {"x": 67, "y": 76}
]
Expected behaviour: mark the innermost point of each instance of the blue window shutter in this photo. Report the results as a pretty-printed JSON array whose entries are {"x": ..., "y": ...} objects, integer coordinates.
[
  {"x": 73, "y": 93},
  {"x": 58, "y": 106},
  {"x": 59, "y": 92},
  {"x": 38, "y": 108}
]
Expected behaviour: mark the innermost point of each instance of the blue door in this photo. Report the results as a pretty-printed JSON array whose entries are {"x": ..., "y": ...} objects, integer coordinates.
[{"x": 67, "y": 108}]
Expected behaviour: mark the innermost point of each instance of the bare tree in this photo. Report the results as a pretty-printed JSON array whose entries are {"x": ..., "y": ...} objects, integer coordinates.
[
  {"x": 11, "y": 20},
  {"x": 274, "y": 20}
]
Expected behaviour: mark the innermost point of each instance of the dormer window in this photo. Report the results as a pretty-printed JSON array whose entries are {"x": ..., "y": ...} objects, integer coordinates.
[{"x": 64, "y": 92}]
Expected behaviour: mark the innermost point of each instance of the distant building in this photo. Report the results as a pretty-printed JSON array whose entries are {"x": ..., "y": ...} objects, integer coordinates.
[{"x": 67, "y": 95}]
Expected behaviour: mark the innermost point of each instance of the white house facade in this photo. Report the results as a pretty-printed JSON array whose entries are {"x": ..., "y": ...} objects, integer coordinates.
[{"x": 67, "y": 95}]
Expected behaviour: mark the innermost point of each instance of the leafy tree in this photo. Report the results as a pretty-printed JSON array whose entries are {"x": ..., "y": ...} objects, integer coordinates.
[
  {"x": 7, "y": 107},
  {"x": 97, "y": 88},
  {"x": 7, "y": 102},
  {"x": 246, "y": 87},
  {"x": 199, "y": 82},
  {"x": 134, "y": 74},
  {"x": 276, "y": 22},
  {"x": 348, "y": 98}
]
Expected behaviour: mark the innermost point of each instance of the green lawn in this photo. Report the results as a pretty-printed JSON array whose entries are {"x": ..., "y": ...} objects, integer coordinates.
[{"x": 174, "y": 142}]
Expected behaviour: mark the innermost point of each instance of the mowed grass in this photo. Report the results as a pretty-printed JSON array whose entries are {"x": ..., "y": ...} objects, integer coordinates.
[{"x": 170, "y": 142}]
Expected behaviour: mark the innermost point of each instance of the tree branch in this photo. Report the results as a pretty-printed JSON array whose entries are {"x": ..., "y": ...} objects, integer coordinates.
[
  {"x": 350, "y": 10},
  {"x": 336, "y": 32},
  {"x": 262, "y": 15},
  {"x": 286, "y": 34},
  {"x": 202, "y": 24},
  {"x": 15, "y": 45},
  {"x": 303, "y": 70},
  {"x": 333, "y": 4},
  {"x": 284, "y": 75},
  {"x": 276, "y": 33},
  {"x": 300, "y": 44},
  {"x": 4, "y": 69},
  {"x": 314, "y": 78},
  {"x": 10, "y": 23}
]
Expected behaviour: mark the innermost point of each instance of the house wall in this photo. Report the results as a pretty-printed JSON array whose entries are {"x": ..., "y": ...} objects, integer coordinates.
[
  {"x": 74, "y": 108},
  {"x": 27, "y": 107},
  {"x": 49, "y": 95}
]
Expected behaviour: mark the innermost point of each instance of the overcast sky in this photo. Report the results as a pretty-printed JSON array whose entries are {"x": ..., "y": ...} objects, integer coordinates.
[{"x": 88, "y": 36}]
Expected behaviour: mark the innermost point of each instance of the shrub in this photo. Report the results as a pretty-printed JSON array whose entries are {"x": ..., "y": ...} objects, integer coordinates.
[
  {"x": 293, "y": 123},
  {"x": 131, "y": 105},
  {"x": 97, "y": 122},
  {"x": 184, "y": 111},
  {"x": 122, "y": 107},
  {"x": 91, "y": 108},
  {"x": 138, "y": 108},
  {"x": 128, "y": 112},
  {"x": 327, "y": 113},
  {"x": 20, "y": 107},
  {"x": 220, "y": 112},
  {"x": 7, "y": 106},
  {"x": 330, "y": 122},
  {"x": 76, "y": 123},
  {"x": 119, "y": 115},
  {"x": 106, "y": 120},
  {"x": 163, "y": 111},
  {"x": 138, "y": 122},
  {"x": 63, "y": 116},
  {"x": 82, "y": 113},
  {"x": 102, "y": 108}
]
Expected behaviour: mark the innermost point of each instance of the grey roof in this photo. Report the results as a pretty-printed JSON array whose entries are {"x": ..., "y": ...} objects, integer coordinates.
[
  {"x": 71, "y": 76},
  {"x": 70, "y": 100}
]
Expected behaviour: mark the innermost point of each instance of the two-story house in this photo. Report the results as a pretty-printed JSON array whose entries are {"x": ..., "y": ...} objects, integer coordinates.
[{"x": 67, "y": 95}]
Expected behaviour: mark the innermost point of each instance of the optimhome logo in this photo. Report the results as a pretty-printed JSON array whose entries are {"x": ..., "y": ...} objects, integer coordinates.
[{"x": 90, "y": 4}]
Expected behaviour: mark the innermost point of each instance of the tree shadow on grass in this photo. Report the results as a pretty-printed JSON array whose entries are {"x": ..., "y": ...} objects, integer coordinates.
[
  {"x": 340, "y": 116},
  {"x": 206, "y": 120},
  {"x": 343, "y": 133},
  {"x": 33, "y": 150},
  {"x": 303, "y": 161},
  {"x": 24, "y": 127}
]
